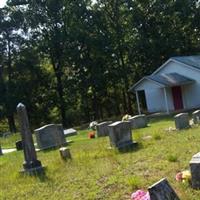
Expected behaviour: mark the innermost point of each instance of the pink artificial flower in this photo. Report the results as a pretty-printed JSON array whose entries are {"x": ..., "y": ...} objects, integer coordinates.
[
  {"x": 140, "y": 195},
  {"x": 179, "y": 176}
]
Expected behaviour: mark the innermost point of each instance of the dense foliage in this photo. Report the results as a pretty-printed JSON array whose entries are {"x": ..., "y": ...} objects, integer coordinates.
[{"x": 74, "y": 61}]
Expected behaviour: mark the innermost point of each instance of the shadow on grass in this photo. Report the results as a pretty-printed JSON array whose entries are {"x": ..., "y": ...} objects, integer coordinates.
[
  {"x": 39, "y": 175},
  {"x": 133, "y": 148}
]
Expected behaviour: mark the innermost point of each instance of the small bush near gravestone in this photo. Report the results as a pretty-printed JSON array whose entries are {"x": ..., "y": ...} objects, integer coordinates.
[
  {"x": 172, "y": 158},
  {"x": 156, "y": 136},
  {"x": 134, "y": 182}
]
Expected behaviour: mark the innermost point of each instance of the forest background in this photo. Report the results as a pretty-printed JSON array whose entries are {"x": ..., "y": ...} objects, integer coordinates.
[{"x": 71, "y": 62}]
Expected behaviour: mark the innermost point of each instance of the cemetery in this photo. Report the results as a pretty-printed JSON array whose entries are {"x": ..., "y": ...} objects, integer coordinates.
[
  {"x": 90, "y": 169},
  {"x": 99, "y": 100}
]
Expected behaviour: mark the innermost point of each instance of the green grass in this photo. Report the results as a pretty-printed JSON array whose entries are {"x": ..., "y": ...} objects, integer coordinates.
[{"x": 95, "y": 172}]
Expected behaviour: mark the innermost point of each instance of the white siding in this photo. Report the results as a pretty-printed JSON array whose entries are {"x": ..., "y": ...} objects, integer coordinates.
[
  {"x": 190, "y": 93},
  {"x": 155, "y": 100}
]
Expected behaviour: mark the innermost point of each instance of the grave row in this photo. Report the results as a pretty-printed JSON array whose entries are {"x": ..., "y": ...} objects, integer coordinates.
[{"x": 182, "y": 120}]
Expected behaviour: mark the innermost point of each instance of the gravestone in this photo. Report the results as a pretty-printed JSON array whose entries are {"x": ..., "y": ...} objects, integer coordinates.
[
  {"x": 70, "y": 132},
  {"x": 162, "y": 191},
  {"x": 138, "y": 121},
  {"x": 182, "y": 121},
  {"x": 120, "y": 135},
  {"x": 195, "y": 171},
  {"x": 31, "y": 165},
  {"x": 65, "y": 153},
  {"x": 1, "y": 153},
  {"x": 196, "y": 117},
  {"x": 49, "y": 136},
  {"x": 19, "y": 145},
  {"x": 102, "y": 128}
]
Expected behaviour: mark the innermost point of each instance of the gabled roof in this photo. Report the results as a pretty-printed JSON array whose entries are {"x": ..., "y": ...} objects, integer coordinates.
[
  {"x": 166, "y": 80},
  {"x": 193, "y": 61},
  {"x": 172, "y": 79},
  {"x": 190, "y": 61}
]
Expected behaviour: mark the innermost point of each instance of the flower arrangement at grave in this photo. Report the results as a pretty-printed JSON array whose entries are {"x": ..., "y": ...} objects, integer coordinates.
[
  {"x": 91, "y": 135},
  {"x": 183, "y": 176},
  {"x": 140, "y": 195},
  {"x": 126, "y": 117}
]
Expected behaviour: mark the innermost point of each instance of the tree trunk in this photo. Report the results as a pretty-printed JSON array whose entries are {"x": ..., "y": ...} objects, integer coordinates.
[
  {"x": 124, "y": 102},
  {"x": 11, "y": 123},
  {"x": 61, "y": 98}
]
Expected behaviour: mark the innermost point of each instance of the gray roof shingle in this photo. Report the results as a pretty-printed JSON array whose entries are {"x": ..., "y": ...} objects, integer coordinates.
[
  {"x": 193, "y": 61},
  {"x": 172, "y": 79}
]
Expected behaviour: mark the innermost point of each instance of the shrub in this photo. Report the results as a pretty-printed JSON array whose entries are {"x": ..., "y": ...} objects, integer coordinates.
[{"x": 172, "y": 158}]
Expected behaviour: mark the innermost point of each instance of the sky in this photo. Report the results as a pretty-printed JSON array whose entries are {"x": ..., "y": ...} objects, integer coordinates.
[{"x": 2, "y": 3}]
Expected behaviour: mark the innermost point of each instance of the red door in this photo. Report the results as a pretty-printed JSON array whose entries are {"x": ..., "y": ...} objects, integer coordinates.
[{"x": 177, "y": 97}]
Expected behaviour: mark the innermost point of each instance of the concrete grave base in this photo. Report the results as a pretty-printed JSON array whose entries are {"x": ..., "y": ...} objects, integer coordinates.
[{"x": 33, "y": 171}]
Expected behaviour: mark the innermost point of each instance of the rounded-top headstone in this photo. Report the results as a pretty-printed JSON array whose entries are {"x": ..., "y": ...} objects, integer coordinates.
[{"x": 21, "y": 106}]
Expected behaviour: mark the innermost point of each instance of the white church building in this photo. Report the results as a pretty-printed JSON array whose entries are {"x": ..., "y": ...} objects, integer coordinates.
[{"x": 172, "y": 87}]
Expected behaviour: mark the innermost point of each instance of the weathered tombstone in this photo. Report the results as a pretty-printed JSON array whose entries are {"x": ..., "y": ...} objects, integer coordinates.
[
  {"x": 182, "y": 121},
  {"x": 70, "y": 132},
  {"x": 195, "y": 171},
  {"x": 31, "y": 165},
  {"x": 65, "y": 153},
  {"x": 138, "y": 121},
  {"x": 120, "y": 135},
  {"x": 19, "y": 145},
  {"x": 1, "y": 153},
  {"x": 102, "y": 128},
  {"x": 162, "y": 191},
  {"x": 196, "y": 117},
  {"x": 50, "y": 136}
]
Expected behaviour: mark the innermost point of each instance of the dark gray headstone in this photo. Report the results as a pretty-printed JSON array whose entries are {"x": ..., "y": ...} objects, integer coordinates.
[
  {"x": 120, "y": 135},
  {"x": 196, "y": 117},
  {"x": 162, "y": 191},
  {"x": 1, "y": 153},
  {"x": 19, "y": 145},
  {"x": 102, "y": 129},
  {"x": 31, "y": 164},
  {"x": 182, "y": 121},
  {"x": 50, "y": 136},
  {"x": 138, "y": 121},
  {"x": 195, "y": 171}
]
